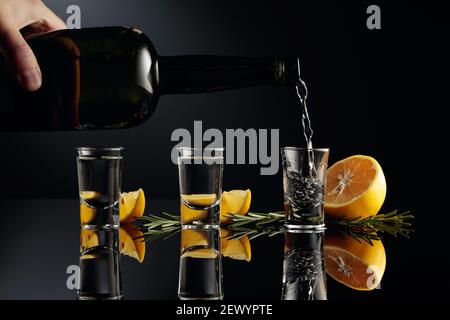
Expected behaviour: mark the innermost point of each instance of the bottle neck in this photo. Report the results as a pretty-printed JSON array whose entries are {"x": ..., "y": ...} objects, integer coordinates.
[{"x": 196, "y": 73}]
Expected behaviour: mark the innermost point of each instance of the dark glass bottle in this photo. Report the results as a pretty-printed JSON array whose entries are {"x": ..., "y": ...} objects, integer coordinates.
[{"x": 111, "y": 77}]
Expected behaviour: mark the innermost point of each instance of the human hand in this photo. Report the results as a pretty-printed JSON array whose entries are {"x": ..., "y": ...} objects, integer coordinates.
[{"x": 17, "y": 18}]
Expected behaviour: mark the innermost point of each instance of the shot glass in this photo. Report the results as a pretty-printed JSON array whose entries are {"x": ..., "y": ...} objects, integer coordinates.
[
  {"x": 304, "y": 182},
  {"x": 200, "y": 276},
  {"x": 304, "y": 276},
  {"x": 99, "y": 180},
  {"x": 200, "y": 178}
]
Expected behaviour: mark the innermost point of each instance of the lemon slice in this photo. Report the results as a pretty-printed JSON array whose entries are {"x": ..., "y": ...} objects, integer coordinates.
[
  {"x": 131, "y": 205},
  {"x": 190, "y": 214},
  {"x": 234, "y": 202},
  {"x": 356, "y": 187},
  {"x": 199, "y": 200},
  {"x": 87, "y": 214}
]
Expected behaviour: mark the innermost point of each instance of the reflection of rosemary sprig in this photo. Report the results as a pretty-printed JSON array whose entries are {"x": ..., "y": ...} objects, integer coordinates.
[
  {"x": 393, "y": 223},
  {"x": 256, "y": 224}
]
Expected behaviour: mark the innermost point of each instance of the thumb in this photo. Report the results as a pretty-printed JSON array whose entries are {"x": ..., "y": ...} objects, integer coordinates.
[{"x": 20, "y": 59}]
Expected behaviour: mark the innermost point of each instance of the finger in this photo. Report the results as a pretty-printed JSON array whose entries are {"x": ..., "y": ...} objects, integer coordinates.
[
  {"x": 32, "y": 29},
  {"x": 52, "y": 21},
  {"x": 42, "y": 20},
  {"x": 19, "y": 57}
]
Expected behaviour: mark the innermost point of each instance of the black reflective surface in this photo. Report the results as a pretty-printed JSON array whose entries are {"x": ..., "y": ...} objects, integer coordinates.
[{"x": 40, "y": 240}]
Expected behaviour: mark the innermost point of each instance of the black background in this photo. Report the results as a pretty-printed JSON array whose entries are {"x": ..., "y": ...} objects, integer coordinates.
[{"x": 376, "y": 92}]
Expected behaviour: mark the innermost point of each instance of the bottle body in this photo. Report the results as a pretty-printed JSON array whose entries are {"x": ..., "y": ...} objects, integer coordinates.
[
  {"x": 112, "y": 77},
  {"x": 91, "y": 80}
]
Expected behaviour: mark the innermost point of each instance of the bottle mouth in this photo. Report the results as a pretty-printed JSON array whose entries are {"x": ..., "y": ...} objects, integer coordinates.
[{"x": 287, "y": 70}]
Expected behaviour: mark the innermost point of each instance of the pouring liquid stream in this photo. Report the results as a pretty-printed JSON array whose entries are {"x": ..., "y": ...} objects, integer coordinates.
[{"x": 302, "y": 94}]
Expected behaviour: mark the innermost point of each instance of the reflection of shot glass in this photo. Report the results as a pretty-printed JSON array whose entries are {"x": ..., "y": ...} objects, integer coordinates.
[
  {"x": 200, "y": 264},
  {"x": 200, "y": 174},
  {"x": 304, "y": 276},
  {"x": 99, "y": 179},
  {"x": 304, "y": 181},
  {"x": 200, "y": 177}
]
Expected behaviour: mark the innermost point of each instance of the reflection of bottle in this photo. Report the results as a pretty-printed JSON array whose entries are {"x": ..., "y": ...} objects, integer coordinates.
[
  {"x": 303, "y": 268},
  {"x": 111, "y": 77}
]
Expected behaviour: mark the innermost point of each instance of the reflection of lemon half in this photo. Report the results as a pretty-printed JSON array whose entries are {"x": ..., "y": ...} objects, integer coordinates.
[
  {"x": 238, "y": 249},
  {"x": 131, "y": 205},
  {"x": 235, "y": 202},
  {"x": 131, "y": 242},
  {"x": 88, "y": 239},
  {"x": 197, "y": 200},
  {"x": 356, "y": 187},
  {"x": 87, "y": 213},
  {"x": 357, "y": 265}
]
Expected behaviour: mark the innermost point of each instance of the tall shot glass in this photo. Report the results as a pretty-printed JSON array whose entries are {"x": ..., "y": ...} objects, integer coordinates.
[
  {"x": 200, "y": 177},
  {"x": 304, "y": 182},
  {"x": 99, "y": 179}
]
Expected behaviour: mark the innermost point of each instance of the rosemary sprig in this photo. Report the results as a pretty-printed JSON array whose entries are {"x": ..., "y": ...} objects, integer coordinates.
[
  {"x": 156, "y": 227},
  {"x": 256, "y": 219},
  {"x": 256, "y": 224},
  {"x": 366, "y": 229}
]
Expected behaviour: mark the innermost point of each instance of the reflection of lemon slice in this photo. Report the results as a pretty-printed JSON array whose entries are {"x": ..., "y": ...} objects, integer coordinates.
[
  {"x": 89, "y": 195},
  {"x": 200, "y": 253},
  {"x": 88, "y": 239},
  {"x": 131, "y": 242},
  {"x": 357, "y": 265},
  {"x": 235, "y": 202},
  {"x": 356, "y": 187},
  {"x": 195, "y": 244},
  {"x": 201, "y": 200},
  {"x": 238, "y": 249},
  {"x": 132, "y": 205},
  {"x": 88, "y": 256},
  {"x": 193, "y": 238},
  {"x": 87, "y": 213}
]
